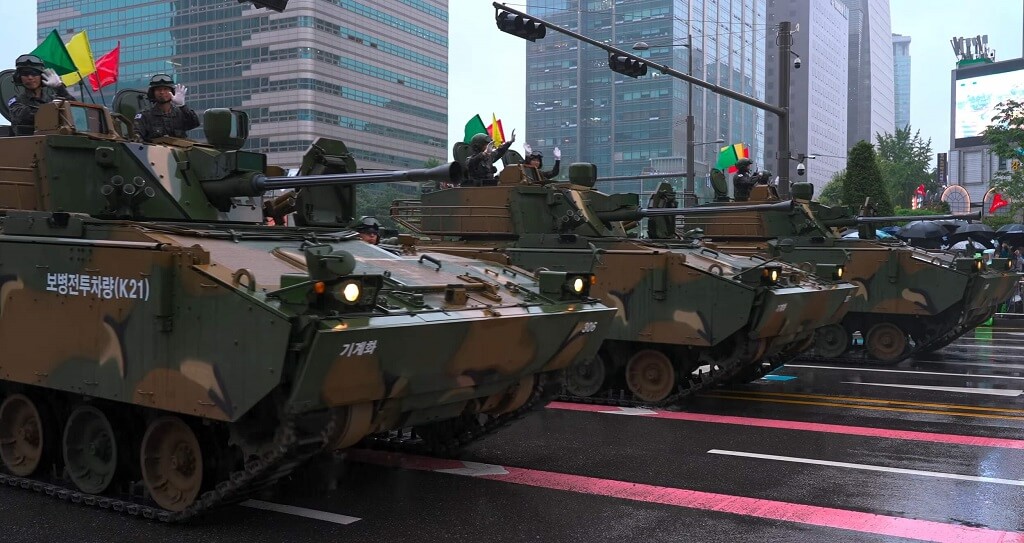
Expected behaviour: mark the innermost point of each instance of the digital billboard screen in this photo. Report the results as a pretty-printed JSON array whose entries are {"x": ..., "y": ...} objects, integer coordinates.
[{"x": 977, "y": 91}]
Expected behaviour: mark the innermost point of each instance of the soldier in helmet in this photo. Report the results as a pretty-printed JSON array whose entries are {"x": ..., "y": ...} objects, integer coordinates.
[
  {"x": 480, "y": 166},
  {"x": 42, "y": 85},
  {"x": 169, "y": 115},
  {"x": 368, "y": 229},
  {"x": 743, "y": 180},
  {"x": 536, "y": 159}
]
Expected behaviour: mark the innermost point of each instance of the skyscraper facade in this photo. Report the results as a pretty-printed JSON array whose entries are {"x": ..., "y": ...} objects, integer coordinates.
[
  {"x": 871, "y": 108},
  {"x": 818, "y": 89},
  {"x": 374, "y": 74},
  {"x": 901, "y": 78},
  {"x": 628, "y": 126}
]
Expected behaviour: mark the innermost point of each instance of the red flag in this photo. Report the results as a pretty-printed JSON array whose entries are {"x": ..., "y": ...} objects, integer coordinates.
[
  {"x": 921, "y": 191},
  {"x": 997, "y": 202},
  {"x": 106, "y": 69}
]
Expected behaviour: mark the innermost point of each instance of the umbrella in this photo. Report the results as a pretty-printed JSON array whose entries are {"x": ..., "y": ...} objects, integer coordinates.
[
  {"x": 951, "y": 224},
  {"x": 923, "y": 234},
  {"x": 878, "y": 233},
  {"x": 894, "y": 230},
  {"x": 979, "y": 232},
  {"x": 922, "y": 230},
  {"x": 1012, "y": 228},
  {"x": 962, "y": 246}
]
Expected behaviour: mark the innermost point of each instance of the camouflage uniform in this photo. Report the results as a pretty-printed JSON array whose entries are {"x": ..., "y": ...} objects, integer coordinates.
[
  {"x": 479, "y": 166},
  {"x": 23, "y": 106},
  {"x": 742, "y": 182},
  {"x": 153, "y": 123}
]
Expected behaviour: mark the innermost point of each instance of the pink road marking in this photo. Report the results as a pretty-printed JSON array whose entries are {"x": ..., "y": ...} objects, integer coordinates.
[
  {"x": 866, "y": 431},
  {"x": 924, "y": 530}
]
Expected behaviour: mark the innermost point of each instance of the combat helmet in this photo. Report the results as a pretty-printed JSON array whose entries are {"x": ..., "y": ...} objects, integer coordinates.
[
  {"x": 479, "y": 142},
  {"x": 538, "y": 155},
  {"x": 744, "y": 164},
  {"x": 157, "y": 81},
  {"x": 365, "y": 223},
  {"x": 27, "y": 65}
]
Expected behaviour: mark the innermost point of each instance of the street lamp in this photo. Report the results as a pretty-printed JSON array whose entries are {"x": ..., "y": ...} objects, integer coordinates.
[{"x": 689, "y": 195}]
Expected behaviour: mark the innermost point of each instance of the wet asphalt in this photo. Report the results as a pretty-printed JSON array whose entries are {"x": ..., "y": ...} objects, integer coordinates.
[{"x": 931, "y": 449}]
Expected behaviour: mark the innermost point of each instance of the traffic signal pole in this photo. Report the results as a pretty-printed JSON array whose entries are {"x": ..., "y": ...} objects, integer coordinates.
[{"x": 785, "y": 42}]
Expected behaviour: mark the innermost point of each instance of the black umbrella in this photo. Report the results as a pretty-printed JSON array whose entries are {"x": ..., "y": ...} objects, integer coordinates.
[
  {"x": 922, "y": 230},
  {"x": 1012, "y": 228},
  {"x": 923, "y": 234},
  {"x": 951, "y": 224},
  {"x": 975, "y": 231}
]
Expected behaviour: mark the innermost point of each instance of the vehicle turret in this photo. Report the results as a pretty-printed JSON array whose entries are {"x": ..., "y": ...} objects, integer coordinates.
[
  {"x": 909, "y": 299},
  {"x": 681, "y": 305}
]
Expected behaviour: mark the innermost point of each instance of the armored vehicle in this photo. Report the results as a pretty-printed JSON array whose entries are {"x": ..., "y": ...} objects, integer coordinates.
[
  {"x": 683, "y": 311},
  {"x": 166, "y": 352},
  {"x": 908, "y": 300}
]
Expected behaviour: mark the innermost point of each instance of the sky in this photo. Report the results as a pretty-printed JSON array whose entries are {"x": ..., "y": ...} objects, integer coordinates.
[{"x": 487, "y": 67}]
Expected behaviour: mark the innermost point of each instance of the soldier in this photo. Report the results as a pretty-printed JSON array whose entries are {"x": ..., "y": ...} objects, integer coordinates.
[
  {"x": 169, "y": 115},
  {"x": 536, "y": 159},
  {"x": 743, "y": 180},
  {"x": 480, "y": 166},
  {"x": 42, "y": 85},
  {"x": 368, "y": 229}
]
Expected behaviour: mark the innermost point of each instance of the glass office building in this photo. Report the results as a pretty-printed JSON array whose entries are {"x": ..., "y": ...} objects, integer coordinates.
[
  {"x": 871, "y": 101},
  {"x": 901, "y": 78},
  {"x": 631, "y": 126},
  {"x": 374, "y": 74}
]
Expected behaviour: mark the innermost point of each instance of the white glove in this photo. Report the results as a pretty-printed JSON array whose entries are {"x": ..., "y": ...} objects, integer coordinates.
[
  {"x": 558, "y": 153},
  {"x": 513, "y": 138},
  {"x": 527, "y": 148},
  {"x": 179, "y": 95},
  {"x": 51, "y": 79}
]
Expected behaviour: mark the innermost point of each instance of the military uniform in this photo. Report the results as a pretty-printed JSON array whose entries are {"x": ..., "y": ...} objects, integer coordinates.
[
  {"x": 480, "y": 167},
  {"x": 154, "y": 123},
  {"x": 23, "y": 107}
]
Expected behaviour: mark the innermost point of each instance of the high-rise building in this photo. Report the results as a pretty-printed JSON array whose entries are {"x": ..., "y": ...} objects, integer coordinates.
[
  {"x": 818, "y": 89},
  {"x": 871, "y": 103},
  {"x": 901, "y": 78},
  {"x": 374, "y": 74},
  {"x": 628, "y": 126}
]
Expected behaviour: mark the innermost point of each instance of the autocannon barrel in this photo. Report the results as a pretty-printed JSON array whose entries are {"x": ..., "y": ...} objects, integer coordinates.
[
  {"x": 637, "y": 214},
  {"x": 257, "y": 184},
  {"x": 854, "y": 221}
]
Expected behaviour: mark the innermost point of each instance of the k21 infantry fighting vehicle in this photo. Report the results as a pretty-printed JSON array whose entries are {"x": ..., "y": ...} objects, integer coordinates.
[
  {"x": 164, "y": 352},
  {"x": 681, "y": 307},
  {"x": 908, "y": 300}
]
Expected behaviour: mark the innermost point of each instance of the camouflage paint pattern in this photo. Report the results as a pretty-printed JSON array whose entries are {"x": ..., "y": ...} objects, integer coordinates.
[
  {"x": 894, "y": 281},
  {"x": 193, "y": 324},
  {"x": 672, "y": 294}
]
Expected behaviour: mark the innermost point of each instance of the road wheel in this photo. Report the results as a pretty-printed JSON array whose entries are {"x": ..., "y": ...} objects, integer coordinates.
[
  {"x": 831, "y": 341},
  {"x": 886, "y": 342},
  {"x": 90, "y": 449},
  {"x": 586, "y": 377},
  {"x": 172, "y": 463},
  {"x": 650, "y": 375},
  {"x": 22, "y": 437}
]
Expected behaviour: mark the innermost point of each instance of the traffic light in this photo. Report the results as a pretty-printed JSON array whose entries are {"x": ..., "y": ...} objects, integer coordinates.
[
  {"x": 626, "y": 66},
  {"x": 517, "y": 25}
]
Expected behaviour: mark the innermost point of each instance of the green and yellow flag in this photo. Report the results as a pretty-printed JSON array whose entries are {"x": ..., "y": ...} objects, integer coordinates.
[
  {"x": 54, "y": 55},
  {"x": 81, "y": 55}
]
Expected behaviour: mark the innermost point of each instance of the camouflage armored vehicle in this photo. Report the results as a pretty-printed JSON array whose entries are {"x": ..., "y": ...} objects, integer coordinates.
[
  {"x": 165, "y": 352},
  {"x": 680, "y": 306},
  {"x": 908, "y": 300}
]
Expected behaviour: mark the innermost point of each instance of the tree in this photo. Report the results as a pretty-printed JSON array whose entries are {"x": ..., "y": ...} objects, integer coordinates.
[
  {"x": 832, "y": 192},
  {"x": 903, "y": 160},
  {"x": 864, "y": 180},
  {"x": 1006, "y": 136}
]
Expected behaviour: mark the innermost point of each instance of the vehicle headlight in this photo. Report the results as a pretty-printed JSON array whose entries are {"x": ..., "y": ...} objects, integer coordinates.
[
  {"x": 770, "y": 275},
  {"x": 566, "y": 286},
  {"x": 350, "y": 292}
]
